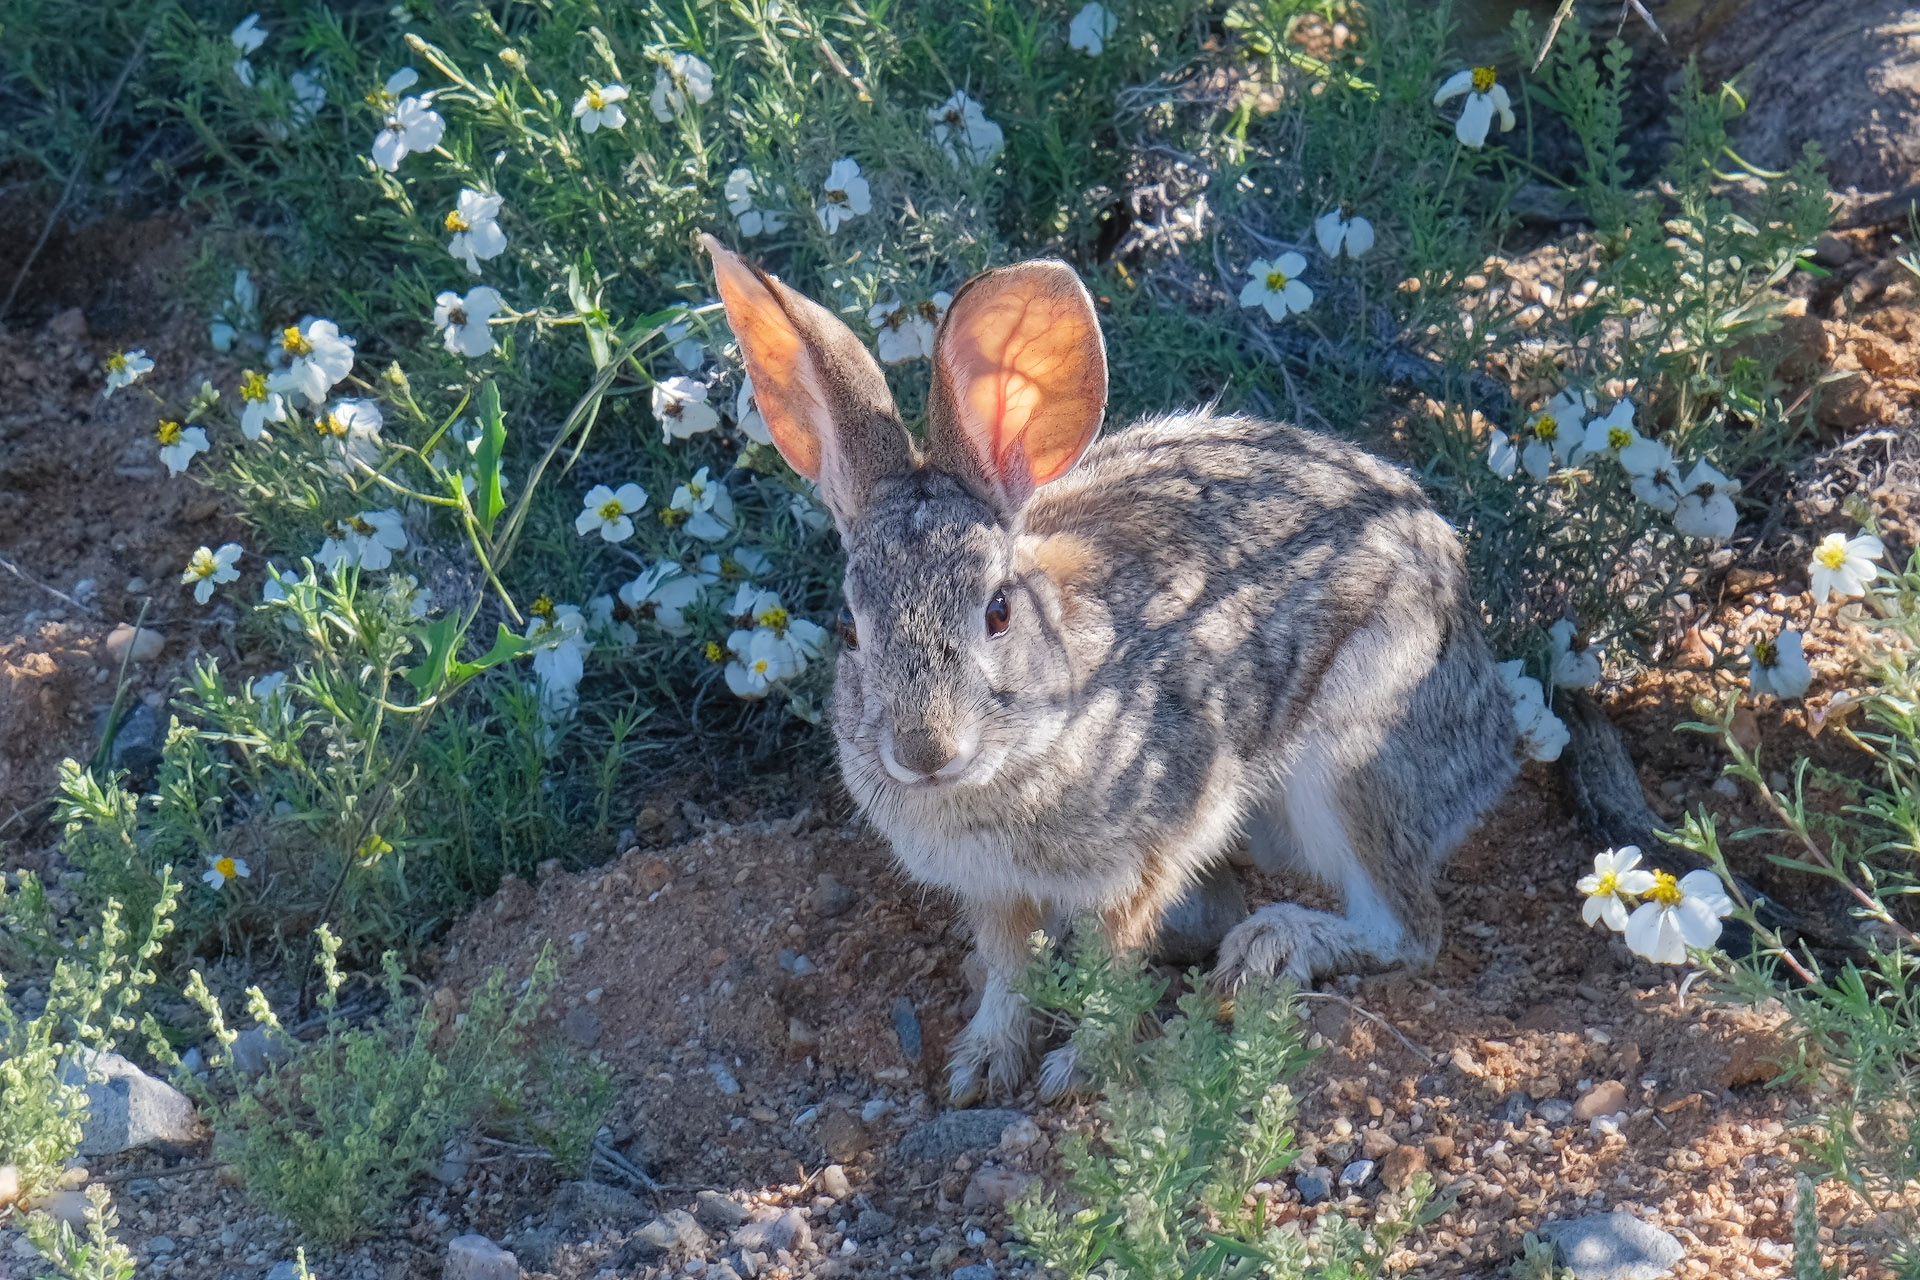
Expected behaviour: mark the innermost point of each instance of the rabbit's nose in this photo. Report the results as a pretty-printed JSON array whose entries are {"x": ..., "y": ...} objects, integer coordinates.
[{"x": 924, "y": 753}]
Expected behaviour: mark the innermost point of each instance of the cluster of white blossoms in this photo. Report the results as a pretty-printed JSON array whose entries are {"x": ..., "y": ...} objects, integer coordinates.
[
  {"x": 683, "y": 79},
  {"x": 907, "y": 332},
  {"x": 366, "y": 541},
  {"x": 1543, "y": 735},
  {"x": 1561, "y": 435},
  {"x": 1841, "y": 567},
  {"x": 560, "y": 646},
  {"x": 752, "y": 219},
  {"x": 1275, "y": 284},
  {"x": 411, "y": 125},
  {"x": 1663, "y": 916},
  {"x": 768, "y": 644}
]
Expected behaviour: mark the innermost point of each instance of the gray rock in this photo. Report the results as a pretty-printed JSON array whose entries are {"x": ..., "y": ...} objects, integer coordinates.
[
  {"x": 1555, "y": 1111},
  {"x": 584, "y": 1202},
  {"x": 830, "y": 897},
  {"x": 285, "y": 1269},
  {"x": 1613, "y": 1246},
  {"x": 255, "y": 1047},
  {"x": 953, "y": 1133},
  {"x": 978, "y": 1271},
  {"x": 129, "y": 1108},
  {"x": 906, "y": 1025},
  {"x": 1314, "y": 1184},
  {"x": 718, "y": 1211},
  {"x": 68, "y": 1206},
  {"x": 673, "y": 1231},
  {"x": 1356, "y": 1174},
  {"x": 472, "y": 1257},
  {"x": 721, "y": 1270},
  {"x": 137, "y": 742},
  {"x": 1513, "y": 1108},
  {"x": 161, "y": 1244},
  {"x": 789, "y": 1231},
  {"x": 536, "y": 1248},
  {"x": 723, "y": 1079},
  {"x": 871, "y": 1225},
  {"x": 582, "y": 1026}
]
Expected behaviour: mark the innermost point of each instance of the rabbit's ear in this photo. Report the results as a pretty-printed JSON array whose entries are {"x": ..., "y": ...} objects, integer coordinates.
[
  {"x": 1019, "y": 380},
  {"x": 826, "y": 402}
]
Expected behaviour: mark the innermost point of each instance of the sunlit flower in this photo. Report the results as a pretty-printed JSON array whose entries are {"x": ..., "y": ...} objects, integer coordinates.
[
  {"x": 558, "y": 633},
  {"x": 684, "y": 77},
  {"x": 753, "y": 220},
  {"x": 1485, "y": 96},
  {"x": 1613, "y": 434},
  {"x": 224, "y": 868},
  {"x": 747, "y": 415},
  {"x": 413, "y": 126},
  {"x": 760, "y": 659},
  {"x": 609, "y": 618},
  {"x": 1335, "y": 231},
  {"x": 739, "y": 563},
  {"x": 247, "y": 37},
  {"x": 207, "y": 569},
  {"x": 124, "y": 368},
  {"x": 664, "y": 593},
  {"x": 1575, "y": 664},
  {"x": 1503, "y": 456},
  {"x": 907, "y": 333},
  {"x": 1555, "y": 436},
  {"x": 476, "y": 230},
  {"x": 1706, "y": 509},
  {"x": 681, "y": 405},
  {"x": 1090, "y": 29},
  {"x": 178, "y": 444},
  {"x": 317, "y": 357},
  {"x": 1542, "y": 734},
  {"x": 368, "y": 540},
  {"x": 309, "y": 95},
  {"x": 261, "y": 404},
  {"x": 1677, "y": 915},
  {"x": 1615, "y": 877},
  {"x": 962, "y": 130},
  {"x": 845, "y": 194},
  {"x": 353, "y": 428},
  {"x": 1277, "y": 286},
  {"x": 464, "y": 322},
  {"x": 1655, "y": 475},
  {"x": 609, "y": 512},
  {"x": 1778, "y": 667},
  {"x": 599, "y": 107},
  {"x": 1844, "y": 566},
  {"x": 705, "y": 507}
]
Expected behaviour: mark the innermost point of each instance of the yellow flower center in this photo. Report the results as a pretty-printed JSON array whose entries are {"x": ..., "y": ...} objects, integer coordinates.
[
  {"x": 713, "y": 651},
  {"x": 929, "y": 312},
  {"x": 542, "y": 608},
  {"x": 731, "y": 568},
  {"x": 1766, "y": 652},
  {"x": 457, "y": 316},
  {"x": 117, "y": 362},
  {"x": 1609, "y": 885},
  {"x": 895, "y": 318},
  {"x": 611, "y": 509},
  {"x": 226, "y": 868},
  {"x": 361, "y": 527},
  {"x": 1832, "y": 553},
  {"x": 1618, "y": 438},
  {"x": 671, "y": 516},
  {"x": 295, "y": 343},
  {"x": 332, "y": 424},
  {"x": 774, "y": 619},
  {"x": 596, "y": 100},
  {"x": 1547, "y": 427},
  {"x": 671, "y": 409},
  {"x": 203, "y": 565},
  {"x": 1276, "y": 280},
  {"x": 760, "y": 666},
  {"x": 168, "y": 433},
  {"x": 457, "y": 223},
  {"x": 372, "y": 847},
  {"x": 253, "y": 386},
  {"x": 1666, "y": 889},
  {"x": 1482, "y": 79}
]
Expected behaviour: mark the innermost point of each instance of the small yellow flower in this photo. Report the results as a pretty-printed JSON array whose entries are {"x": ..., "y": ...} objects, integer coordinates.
[
  {"x": 542, "y": 608},
  {"x": 713, "y": 652}
]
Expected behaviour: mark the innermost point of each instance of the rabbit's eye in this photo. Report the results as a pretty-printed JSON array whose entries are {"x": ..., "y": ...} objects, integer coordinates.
[
  {"x": 849, "y": 634},
  {"x": 997, "y": 613}
]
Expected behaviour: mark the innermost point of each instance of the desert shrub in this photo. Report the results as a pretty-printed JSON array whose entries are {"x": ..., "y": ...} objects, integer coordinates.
[{"x": 101, "y": 1256}]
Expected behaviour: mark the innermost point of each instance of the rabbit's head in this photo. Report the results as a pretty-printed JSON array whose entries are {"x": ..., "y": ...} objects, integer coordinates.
[{"x": 957, "y": 658}]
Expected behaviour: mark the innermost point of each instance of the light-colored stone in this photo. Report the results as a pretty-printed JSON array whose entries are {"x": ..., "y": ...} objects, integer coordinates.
[
  {"x": 833, "y": 1182},
  {"x": 9, "y": 1184},
  {"x": 788, "y": 1231},
  {"x": 134, "y": 644},
  {"x": 1614, "y": 1246},
  {"x": 129, "y": 1108},
  {"x": 1400, "y": 1165},
  {"x": 723, "y": 1213},
  {"x": 1603, "y": 1099},
  {"x": 472, "y": 1257},
  {"x": 992, "y": 1186}
]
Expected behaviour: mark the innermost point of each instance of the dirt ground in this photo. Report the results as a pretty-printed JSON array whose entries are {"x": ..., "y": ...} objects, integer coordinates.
[{"x": 777, "y": 998}]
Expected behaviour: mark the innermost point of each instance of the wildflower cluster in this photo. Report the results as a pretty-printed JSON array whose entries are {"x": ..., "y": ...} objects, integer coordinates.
[{"x": 1664, "y": 917}]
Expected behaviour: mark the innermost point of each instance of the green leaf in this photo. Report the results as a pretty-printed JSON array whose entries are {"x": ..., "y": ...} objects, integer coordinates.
[
  {"x": 486, "y": 459},
  {"x": 442, "y": 641}
]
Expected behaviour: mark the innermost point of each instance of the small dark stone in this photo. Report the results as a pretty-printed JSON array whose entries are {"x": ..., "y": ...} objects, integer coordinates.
[
  {"x": 1513, "y": 1108},
  {"x": 872, "y": 1225},
  {"x": 1614, "y": 1246},
  {"x": 535, "y": 1248},
  {"x": 829, "y": 897},
  {"x": 906, "y": 1025},
  {"x": 718, "y": 1211},
  {"x": 138, "y": 741},
  {"x": 1313, "y": 1184},
  {"x": 842, "y": 1135},
  {"x": 978, "y": 1271},
  {"x": 582, "y": 1026}
]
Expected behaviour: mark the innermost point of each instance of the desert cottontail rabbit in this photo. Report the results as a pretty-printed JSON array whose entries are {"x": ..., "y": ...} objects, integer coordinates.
[{"x": 1075, "y": 673}]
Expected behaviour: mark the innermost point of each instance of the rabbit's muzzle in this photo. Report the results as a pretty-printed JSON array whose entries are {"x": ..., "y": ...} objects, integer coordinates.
[{"x": 926, "y": 752}]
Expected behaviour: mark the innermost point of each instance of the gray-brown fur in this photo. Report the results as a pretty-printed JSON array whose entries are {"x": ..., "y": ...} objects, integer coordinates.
[{"x": 1217, "y": 627}]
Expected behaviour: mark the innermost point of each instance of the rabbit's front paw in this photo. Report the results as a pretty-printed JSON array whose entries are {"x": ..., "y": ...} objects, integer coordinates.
[
  {"x": 991, "y": 1054},
  {"x": 1277, "y": 941}
]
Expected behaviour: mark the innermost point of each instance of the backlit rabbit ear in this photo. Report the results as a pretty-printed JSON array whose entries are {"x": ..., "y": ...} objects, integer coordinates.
[
  {"x": 825, "y": 401},
  {"x": 1019, "y": 380}
]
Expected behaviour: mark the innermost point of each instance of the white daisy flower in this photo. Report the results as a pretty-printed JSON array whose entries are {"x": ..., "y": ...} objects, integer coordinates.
[
  {"x": 1655, "y": 476},
  {"x": 124, "y": 368},
  {"x": 609, "y": 512},
  {"x": 207, "y": 569},
  {"x": 681, "y": 405},
  {"x": 684, "y": 77},
  {"x": 1613, "y": 434},
  {"x": 704, "y": 507},
  {"x": 1778, "y": 666},
  {"x": 845, "y": 195},
  {"x": 664, "y": 593},
  {"x": 753, "y": 220},
  {"x": 464, "y": 322},
  {"x": 368, "y": 540},
  {"x": 1706, "y": 509},
  {"x": 1677, "y": 915},
  {"x": 747, "y": 415},
  {"x": 760, "y": 659},
  {"x": 599, "y": 107},
  {"x": 247, "y": 37},
  {"x": 260, "y": 404},
  {"x": 1554, "y": 434},
  {"x": 739, "y": 563},
  {"x": 353, "y": 428},
  {"x": 317, "y": 357},
  {"x": 224, "y": 868},
  {"x": 1277, "y": 286},
  {"x": 413, "y": 126},
  {"x": 1503, "y": 456},
  {"x": 178, "y": 444},
  {"x": 608, "y": 619},
  {"x": 1090, "y": 29},
  {"x": 476, "y": 230},
  {"x": 1485, "y": 96},
  {"x": 1615, "y": 877},
  {"x": 1575, "y": 664},
  {"x": 962, "y": 130},
  {"x": 1335, "y": 232},
  {"x": 907, "y": 333},
  {"x": 558, "y": 632},
  {"x": 1844, "y": 566},
  {"x": 1543, "y": 735}
]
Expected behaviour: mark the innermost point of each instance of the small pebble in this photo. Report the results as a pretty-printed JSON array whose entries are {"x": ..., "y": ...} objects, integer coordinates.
[{"x": 1356, "y": 1174}]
